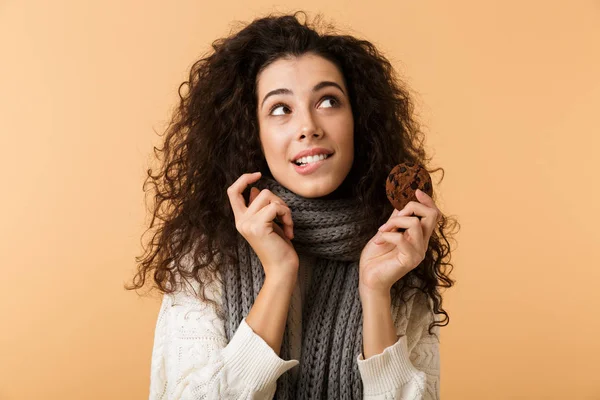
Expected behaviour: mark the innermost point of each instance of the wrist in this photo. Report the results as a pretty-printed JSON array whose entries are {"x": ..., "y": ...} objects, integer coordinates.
[
  {"x": 286, "y": 283},
  {"x": 379, "y": 296}
]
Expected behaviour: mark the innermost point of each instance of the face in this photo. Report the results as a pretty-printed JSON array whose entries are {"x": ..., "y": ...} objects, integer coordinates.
[{"x": 303, "y": 104}]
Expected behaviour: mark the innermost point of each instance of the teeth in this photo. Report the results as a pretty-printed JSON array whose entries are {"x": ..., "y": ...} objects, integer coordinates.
[{"x": 311, "y": 159}]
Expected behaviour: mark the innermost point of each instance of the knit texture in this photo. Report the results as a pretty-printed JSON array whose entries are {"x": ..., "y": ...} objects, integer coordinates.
[
  {"x": 192, "y": 358},
  {"x": 332, "y": 317}
]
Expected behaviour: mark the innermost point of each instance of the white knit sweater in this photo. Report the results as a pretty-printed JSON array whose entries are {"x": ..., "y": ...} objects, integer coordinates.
[{"x": 191, "y": 358}]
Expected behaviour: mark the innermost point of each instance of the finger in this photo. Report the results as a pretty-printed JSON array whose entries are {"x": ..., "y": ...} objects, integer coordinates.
[
  {"x": 238, "y": 204},
  {"x": 424, "y": 198},
  {"x": 395, "y": 213},
  {"x": 428, "y": 216},
  {"x": 266, "y": 197},
  {"x": 407, "y": 250},
  {"x": 280, "y": 231},
  {"x": 414, "y": 230},
  {"x": 416, "y": 208},
  {"x": 277, "y": 210},
  {"x": 412, "y": 209},
  {"x": 262, "y": 199}
]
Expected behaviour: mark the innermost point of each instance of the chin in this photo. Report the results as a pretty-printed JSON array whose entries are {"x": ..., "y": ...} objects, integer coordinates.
[{"x": 327, "y": 193}]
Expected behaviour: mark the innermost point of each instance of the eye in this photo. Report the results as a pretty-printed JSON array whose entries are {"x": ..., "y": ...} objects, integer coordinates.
[
  {"x": 335, "y": 100},
  {"x": 276, "y": 106},
  {"x": 336, "y": 103}
]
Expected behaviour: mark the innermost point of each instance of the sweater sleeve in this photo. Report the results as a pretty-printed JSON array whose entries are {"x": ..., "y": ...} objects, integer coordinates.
[
  {"x": 191, "y": 358},
  {"x": 403, "y": 371}
]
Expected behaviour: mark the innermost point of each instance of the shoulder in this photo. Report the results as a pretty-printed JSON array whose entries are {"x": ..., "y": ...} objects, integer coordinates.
[
  {"x": 183, "y": 314},
  {"x": 193, "y": 305},
  {"x": 187, "y": 287}
]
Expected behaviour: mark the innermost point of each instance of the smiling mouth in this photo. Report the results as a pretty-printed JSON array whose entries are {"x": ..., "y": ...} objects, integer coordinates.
[{"x": 299, "y": 164}]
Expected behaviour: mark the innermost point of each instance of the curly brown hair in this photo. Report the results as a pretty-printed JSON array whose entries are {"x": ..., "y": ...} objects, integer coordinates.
[{"x": 213, "y": 138}]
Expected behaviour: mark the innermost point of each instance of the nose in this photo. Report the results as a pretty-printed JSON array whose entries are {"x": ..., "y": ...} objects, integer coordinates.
[{"x": 309, "y": 127}]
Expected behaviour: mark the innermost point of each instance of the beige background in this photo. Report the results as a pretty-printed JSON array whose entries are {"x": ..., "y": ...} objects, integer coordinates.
[{"x": 508, "y": 93}]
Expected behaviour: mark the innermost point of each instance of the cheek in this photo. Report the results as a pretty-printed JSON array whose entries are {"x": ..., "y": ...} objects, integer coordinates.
[
  {"x": 274, "y": 149},
  {"x": 347, "y": 143}
]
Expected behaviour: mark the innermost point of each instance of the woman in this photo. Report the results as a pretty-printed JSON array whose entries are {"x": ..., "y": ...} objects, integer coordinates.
[{"x": 269, "y": 256}]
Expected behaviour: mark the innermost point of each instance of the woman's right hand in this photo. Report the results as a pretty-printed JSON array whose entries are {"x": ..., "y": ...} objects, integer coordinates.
[{"x": 256, "y": 224}]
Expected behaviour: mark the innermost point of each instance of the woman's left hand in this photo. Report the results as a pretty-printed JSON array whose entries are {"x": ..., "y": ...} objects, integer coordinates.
[{"x": 390, "y": 254}]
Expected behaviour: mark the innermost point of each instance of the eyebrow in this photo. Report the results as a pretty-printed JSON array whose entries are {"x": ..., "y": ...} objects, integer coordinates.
[{"x": 317, "y": 87}]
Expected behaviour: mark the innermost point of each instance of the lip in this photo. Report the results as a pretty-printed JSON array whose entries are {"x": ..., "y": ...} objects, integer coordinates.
[
  {"x": 312, "y": 152},
  {"x": 310, "y": 168}
]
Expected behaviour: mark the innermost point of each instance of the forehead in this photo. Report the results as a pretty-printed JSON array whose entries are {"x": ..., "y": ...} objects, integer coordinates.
[{"x": 298, "y": 74}]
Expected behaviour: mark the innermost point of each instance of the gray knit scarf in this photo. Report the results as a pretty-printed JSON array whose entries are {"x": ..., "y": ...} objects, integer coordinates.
[{"x": 332, "y": 314}]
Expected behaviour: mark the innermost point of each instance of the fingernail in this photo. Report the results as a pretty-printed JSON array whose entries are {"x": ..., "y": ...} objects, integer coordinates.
[{"x": 382, "y": 227}]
